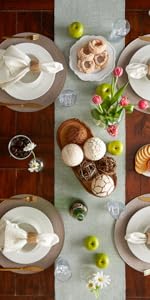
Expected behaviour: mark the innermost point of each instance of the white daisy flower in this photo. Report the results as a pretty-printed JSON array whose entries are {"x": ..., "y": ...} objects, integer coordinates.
[
  {"x": 91, "y": 285},
  {"x": 101, "y": 280},
  {"x": 33, "y": 166},
  {"x": 29, "y": 147}
]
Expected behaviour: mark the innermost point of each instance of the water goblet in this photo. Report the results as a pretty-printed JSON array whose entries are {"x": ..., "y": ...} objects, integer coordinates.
[
  {"x": 67, "y": 97},
  {"x": 115, "y": 208},
  {"x": 62, "y": 269},
  {"x": 120, "y": 28}
]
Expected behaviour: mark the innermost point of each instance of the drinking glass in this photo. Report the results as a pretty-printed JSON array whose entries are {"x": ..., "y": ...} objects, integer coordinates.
[
  {"x": 16, "y": 146},
  {"x": 62, "y": 269},
  {"x": 68, "y": 97},
  {"x": 115, "y": 208},
  {"x": 120, "y": 28}
]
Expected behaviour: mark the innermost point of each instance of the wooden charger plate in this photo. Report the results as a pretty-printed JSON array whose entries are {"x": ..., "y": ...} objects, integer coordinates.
[{"x": 62, "y": 141}]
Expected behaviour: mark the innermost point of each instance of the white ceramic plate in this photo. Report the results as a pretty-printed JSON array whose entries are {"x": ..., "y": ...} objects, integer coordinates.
[
  {"x": 139, "y": 222},
  {"x": 97, "y": 75},
  {"x": 30, "y": 87},
  {"x": 141, "y": 86},
  {"x": 30, "y": 219}
]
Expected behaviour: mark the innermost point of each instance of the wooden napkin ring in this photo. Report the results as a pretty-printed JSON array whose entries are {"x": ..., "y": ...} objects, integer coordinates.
[
  {"x": 148, "y": 73},
  {"x": 35, "y": 66},
  {"x": 148, "y": 238},
  {"x": 32, "y": 237}
]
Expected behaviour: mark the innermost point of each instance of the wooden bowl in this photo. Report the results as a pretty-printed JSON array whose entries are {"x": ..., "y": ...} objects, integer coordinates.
[{"x": 62, "y": 141}]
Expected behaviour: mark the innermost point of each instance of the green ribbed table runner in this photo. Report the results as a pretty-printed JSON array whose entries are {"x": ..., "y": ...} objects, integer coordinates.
[{"x": 97, "y": 17}]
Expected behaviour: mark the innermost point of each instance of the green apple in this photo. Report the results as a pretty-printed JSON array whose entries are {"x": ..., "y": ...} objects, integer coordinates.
[
  {"x": 76, "y": 29},
  {"x": 115, "y": 147},
  {"x": 102, "y": 260},
  {"x": 91, "y": 242},
  {"x": 104, "y": 90}
]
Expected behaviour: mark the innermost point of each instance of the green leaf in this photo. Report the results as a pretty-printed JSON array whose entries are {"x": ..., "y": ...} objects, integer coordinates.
[
  {"x": 95, "y": 114},
  {"x": 118, "y": 94},
  {"x": 129, "y": 108},
  {"x": 106, "y": 104},
  {"x": 112, "y": 87}
]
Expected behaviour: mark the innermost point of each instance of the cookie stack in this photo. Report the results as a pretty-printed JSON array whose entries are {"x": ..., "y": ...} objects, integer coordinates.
[
  {"x": 92, "y": 56},
  {"x": 142, "y": 159}
]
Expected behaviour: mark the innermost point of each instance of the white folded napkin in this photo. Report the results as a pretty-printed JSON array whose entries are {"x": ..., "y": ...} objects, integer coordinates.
[
  {"x": 13, "y": 238},
  {"x": 15, "y": 64},
  {"x": 138, "y": 237},
  {"x": 137, "y": 70}
]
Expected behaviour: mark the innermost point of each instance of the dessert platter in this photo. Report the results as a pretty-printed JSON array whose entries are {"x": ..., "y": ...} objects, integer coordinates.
[
  {"x": 36, "y": 217},
  {"x": 125, "y": 58},
  {"x": 135, "y": 218},
  {"x": 86, "y": 155},
  {"x": 92, "y": 58},
  {"x": 142, "y": 160},
  {"x": 41, "y": 88}
]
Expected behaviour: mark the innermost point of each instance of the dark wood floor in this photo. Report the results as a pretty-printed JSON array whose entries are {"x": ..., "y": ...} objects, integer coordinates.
[{"x": 38, "y": 16}]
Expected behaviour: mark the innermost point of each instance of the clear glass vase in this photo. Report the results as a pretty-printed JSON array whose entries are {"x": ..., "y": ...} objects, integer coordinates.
[{"x": 104, "y": 123}]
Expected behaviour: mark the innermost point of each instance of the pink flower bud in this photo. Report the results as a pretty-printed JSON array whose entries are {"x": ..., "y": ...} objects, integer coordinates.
[
  {"x": 112, "y": 130},
  {"x": 97, "y": 99},
  {"x": 118, "y": 71},
  {"x": 124, "y": 101},
  {"x": 143, "y": 104}
]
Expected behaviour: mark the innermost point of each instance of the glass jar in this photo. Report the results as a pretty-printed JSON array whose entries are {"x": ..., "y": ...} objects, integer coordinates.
[{"x": 78, "y": 210}]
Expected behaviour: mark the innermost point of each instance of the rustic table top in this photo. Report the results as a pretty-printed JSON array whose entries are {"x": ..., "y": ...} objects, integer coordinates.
[{"x": 38, "y": 16}]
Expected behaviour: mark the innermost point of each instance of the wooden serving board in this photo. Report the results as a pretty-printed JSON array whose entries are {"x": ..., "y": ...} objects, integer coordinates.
[{"x": 62, "y": 141}]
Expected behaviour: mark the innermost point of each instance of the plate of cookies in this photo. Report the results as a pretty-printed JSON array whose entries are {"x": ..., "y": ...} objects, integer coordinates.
[
  {"x": 92, "y": 58},
  {"x": 142, "y": 160},
  {"x": 86, "y": 155}
]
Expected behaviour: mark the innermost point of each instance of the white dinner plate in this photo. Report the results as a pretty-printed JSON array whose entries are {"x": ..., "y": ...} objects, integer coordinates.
[
  {"x": 30, "y": 219},
  {"x": 25, "y": 89},
  {"x": 140, "y": 222},
  {"x": 97, "y": 75},
  {"x": 141, "y": 86}
]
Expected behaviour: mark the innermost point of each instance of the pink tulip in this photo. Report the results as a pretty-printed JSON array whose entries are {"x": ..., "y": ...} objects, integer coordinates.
[
  {"x": 124, "y": 101},
  {"x": 112, "y": 130},
  {"x": 118, "y": 71},
  {"x": 97, "y": 99},
  {"x": 143, "y": 104}
]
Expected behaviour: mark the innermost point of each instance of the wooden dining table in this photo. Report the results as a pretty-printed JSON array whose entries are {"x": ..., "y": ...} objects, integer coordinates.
[{"x": 38, "y": 16}]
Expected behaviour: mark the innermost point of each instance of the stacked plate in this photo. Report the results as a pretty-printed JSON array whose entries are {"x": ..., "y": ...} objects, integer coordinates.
[
  {"x": 140, "y": 222},
  {"x": 39, "y": 216},
  {"x": 135, "y": 52},
  {"x": 134, "y": 219},
  {"x": 31, "y": 220},
  {"x": 141, "y": 86},
  {"x": 40, "y": 88},
  {"x": 32, "y": 86}
]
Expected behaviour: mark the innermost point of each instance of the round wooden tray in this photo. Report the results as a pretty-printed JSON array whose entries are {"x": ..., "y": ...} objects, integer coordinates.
[{"x": 62, "y": 141}]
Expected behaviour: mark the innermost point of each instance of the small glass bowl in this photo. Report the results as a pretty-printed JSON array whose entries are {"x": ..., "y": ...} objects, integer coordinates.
[{"x": 16, "y": 146}]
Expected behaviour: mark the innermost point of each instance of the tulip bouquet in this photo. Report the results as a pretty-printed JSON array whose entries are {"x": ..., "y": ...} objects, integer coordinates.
[{"x": 107, "y": 110}]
